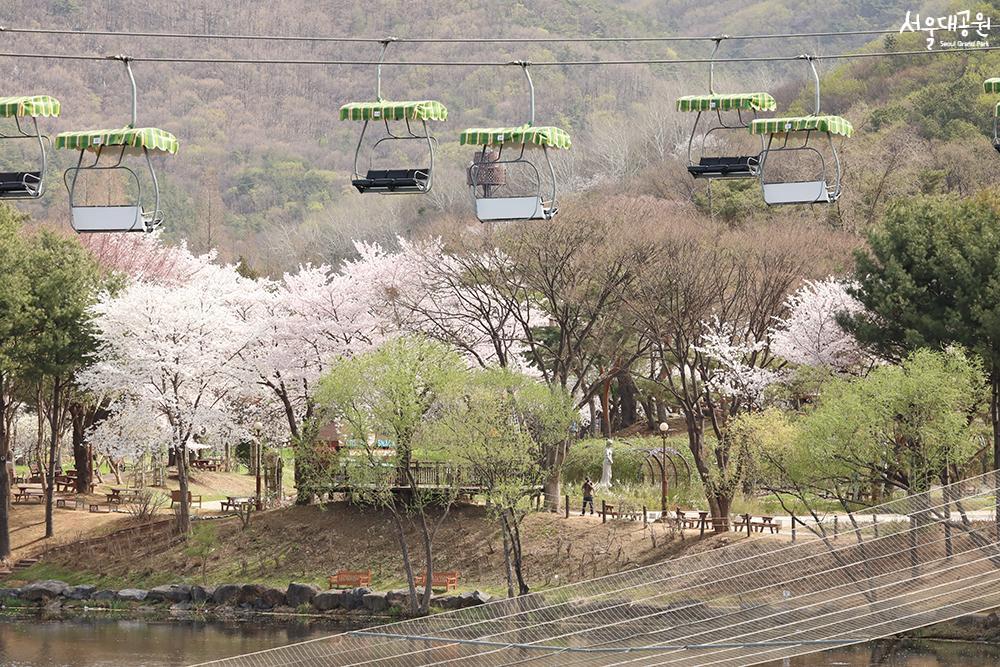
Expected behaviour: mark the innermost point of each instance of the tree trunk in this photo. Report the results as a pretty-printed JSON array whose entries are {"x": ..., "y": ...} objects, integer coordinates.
[
  {"x": 629, "y": 407},
  {"x": 83, "y": 460},
  {"x": 995, "y": 421},
  {"x": 510, "y": 523},
  {"x": 50, "y": 486},
  {"x": 425, "y": 534},
  {"x": 718, "y": 504},
  {"x": 184, "y": 514},
  {"x": 407, "y": 565},
  {"x": 5, "y": 481},
  {"x": 506, "y": 559}
]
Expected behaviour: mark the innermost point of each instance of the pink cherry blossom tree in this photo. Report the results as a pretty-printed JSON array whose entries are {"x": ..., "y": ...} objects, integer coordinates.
[
  {"x": 173, "y": 350},
  {"x": 810, "y": 334}
]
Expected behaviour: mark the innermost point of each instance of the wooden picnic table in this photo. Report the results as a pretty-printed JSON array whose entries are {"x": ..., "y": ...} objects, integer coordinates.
[
  {"x": 207, "y": 464},
  {"x": 121, "y": 495},
  {"x": 26, "y": 492},
  {"x": 233, "y": 503}
]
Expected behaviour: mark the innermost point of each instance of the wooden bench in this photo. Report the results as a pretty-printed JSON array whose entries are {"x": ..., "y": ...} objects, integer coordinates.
[
  {"x": 78, "y": 503},
  {"x": 445, "y": 580},
  {"x": 350, "y": 579},
  {"x": 28, "y": 496},
  {"x": 175, "y": 499},
  {"x": 97, "y": 508}
]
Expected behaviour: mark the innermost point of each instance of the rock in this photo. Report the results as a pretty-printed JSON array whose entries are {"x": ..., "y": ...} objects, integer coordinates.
[
  {"x": 226, "y": 593},
  {"x": 7, "y": 593},
  {"x": 327, "y": 600},
  {"x": 300, "y": 594},
  {"x": 41, "y": 591},
  {"x": 170, "y": 593},
  {"x": 473, "y": 599},
  {"x": 81, "y": 592},
  {"x": 104, "y": 595},
  {"x": 132, "y": 594},
  {"x": 992, "y": 621},
  {"x": 354, "y": 598},
  {"x": 375, "y": 602},
  {"x": 270, "y": 598},
  {"x": 398, "y": 597},
  {"x": 201, "y": 593},
  {"x": 447, "y": 601}
]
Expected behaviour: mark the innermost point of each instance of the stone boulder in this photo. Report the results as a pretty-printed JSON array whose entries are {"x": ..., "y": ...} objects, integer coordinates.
[
  {"x": 43, "y": 591},
  {"x": 6, "y": 593},
  {"x": 226, "y": 593},
  {"x": 270, "y": 598},
  {"x": 132, "y": 594},
  {"x": 298, "y": 594},
  {"x": 447, "y": 602},
  {"x": 398, "y": 597},
  {"x": 172, "y": 593},
  {"x": 354, "y": 598},
  {"x": 473, "y": 599},
  {"x": 375, "y": 602},
  {"x": 81, "y": 592},
  {"x": 327, "y": 600},
  {"x": 201, "y": 594},
  {"x": 104, "y": 595}
]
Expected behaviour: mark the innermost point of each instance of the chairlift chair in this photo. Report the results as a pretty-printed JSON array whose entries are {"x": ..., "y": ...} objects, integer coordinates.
[
  {"x": 26, "y": 184},
  {"x": 126, "y": 142},
  {"x": 393, "y": 181},
  {"x": 993, "y": 86},
  {"x": 488, "y": 172},
  {"x": 821, "y": 189},
  {"x": 713, "y": 108}
]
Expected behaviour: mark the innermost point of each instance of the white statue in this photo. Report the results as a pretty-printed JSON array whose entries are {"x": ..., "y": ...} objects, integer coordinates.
[{"x": 609, "y": 459}]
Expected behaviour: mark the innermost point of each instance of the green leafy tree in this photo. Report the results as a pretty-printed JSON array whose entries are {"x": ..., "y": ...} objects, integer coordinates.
[
  {"x": 931, "y": 278},
  {"x": 388, "y": 397},
  {"x": 499, "y": 425},
  {"x": 63, "y": 286},
  {"x": 15, "y": 329},
  {"x": 903, "y": 427}
]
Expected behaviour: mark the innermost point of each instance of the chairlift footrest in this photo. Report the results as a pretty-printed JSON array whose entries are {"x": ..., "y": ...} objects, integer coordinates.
[{"x": 20, "y": 183}]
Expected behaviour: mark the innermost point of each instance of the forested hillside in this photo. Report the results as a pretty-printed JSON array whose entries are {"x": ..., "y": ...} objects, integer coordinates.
[{"x": 264, "y": 164}]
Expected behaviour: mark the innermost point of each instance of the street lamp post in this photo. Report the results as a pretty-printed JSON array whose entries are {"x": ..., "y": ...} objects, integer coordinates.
[
  {"x": 664, "y": 427},
  {"x": 258, "y": 459}
]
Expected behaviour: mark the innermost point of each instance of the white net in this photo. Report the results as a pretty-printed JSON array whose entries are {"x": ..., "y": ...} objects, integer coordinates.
[{"x": 905, "y": 564}]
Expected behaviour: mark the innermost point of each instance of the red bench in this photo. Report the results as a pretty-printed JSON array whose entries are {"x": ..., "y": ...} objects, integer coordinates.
[
  {"x": 445, "y": 580},
  {"x": 351, "y": 579}
]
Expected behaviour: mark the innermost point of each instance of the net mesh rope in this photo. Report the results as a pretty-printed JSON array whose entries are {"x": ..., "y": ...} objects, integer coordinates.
[{"x": 902, "y": 565}]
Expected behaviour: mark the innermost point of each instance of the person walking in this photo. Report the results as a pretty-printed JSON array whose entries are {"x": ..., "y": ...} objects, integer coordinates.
[{"x": 588, "y": 496}]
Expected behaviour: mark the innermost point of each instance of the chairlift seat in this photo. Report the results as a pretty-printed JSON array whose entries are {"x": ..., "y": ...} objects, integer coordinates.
[
  {"x": 512, "y": 208},
  {"x": 996, "y": 145},
  {"x": 797, "y": 192},
  {"x": 20, "y": 183},
  {"x": 127, "y": 218},
  {"x": 393, "y": 180},
  {"x": 724, "y": 167}
]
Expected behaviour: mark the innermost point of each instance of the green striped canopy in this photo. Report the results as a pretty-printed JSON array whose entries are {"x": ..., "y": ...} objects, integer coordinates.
[
  {"x": 992, "y": 85},
  {"x": 136, "y": 137},
  {"x": 421, "y": 110},
  {"x": 550, "y": 137},
  {"x": 30, "y": 105},
  {"x": 831, "y": 124},
  {"x": 731, "y": 102}
]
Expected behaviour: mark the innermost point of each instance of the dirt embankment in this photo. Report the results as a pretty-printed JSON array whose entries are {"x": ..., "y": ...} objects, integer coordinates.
[{"x": 310, "y": 543}]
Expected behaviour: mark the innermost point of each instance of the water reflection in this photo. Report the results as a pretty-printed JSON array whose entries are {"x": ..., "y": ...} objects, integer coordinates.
[
  {"x": 107, "y": 642},
  {"x": 116, "y": 643}
]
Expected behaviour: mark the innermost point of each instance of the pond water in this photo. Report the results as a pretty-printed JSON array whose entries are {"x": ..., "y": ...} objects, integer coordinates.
[{"x": 108, "y": 642}]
